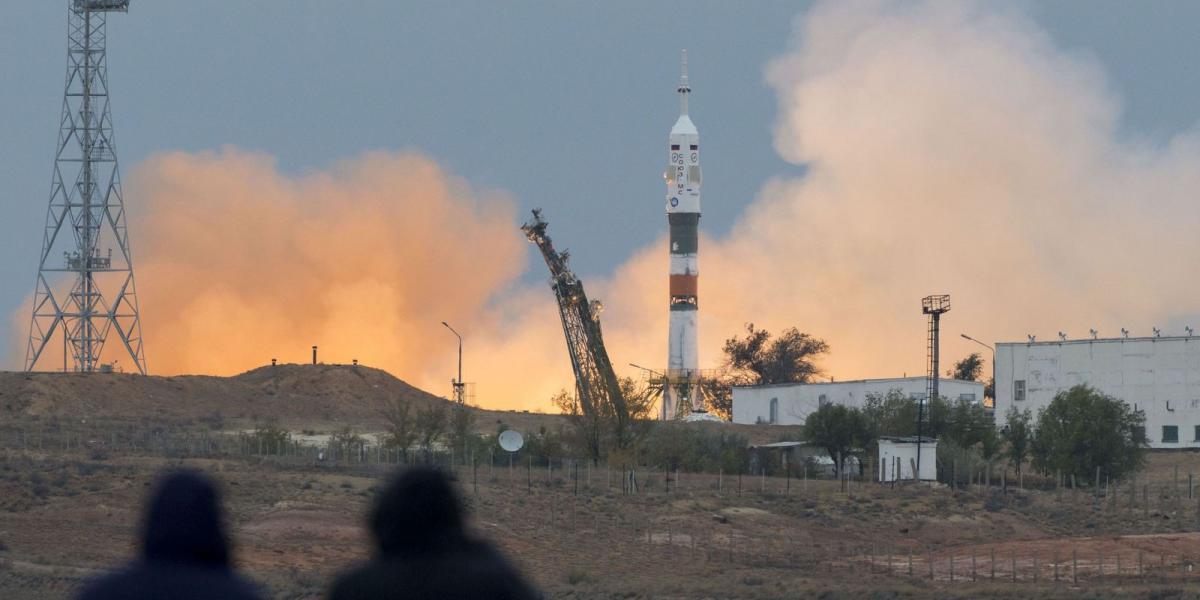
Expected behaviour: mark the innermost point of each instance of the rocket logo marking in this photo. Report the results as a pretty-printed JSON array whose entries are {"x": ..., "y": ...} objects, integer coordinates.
[{"x": 674, "y": 201}]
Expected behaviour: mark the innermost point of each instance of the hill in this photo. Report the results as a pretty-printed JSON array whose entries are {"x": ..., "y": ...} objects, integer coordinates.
[
  {"x": 294, "y": 396},
  {"x": 297, "y": 397}
]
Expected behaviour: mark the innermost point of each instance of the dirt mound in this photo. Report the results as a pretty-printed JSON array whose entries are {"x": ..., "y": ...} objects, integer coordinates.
[{"x": 296, "y": 396}]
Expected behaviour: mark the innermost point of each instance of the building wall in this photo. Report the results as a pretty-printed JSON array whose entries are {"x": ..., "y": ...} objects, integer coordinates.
[
  {"x": 1160, "y": 376},
  {"x": 795, "y": 401},
  {"x": 889, "y": 450}
]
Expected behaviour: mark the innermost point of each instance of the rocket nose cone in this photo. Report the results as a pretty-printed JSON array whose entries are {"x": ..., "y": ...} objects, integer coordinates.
[{"x": 684, "y": 126}]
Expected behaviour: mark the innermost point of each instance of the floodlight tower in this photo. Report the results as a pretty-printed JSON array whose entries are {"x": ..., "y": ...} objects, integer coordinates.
[
  {"x": 86, "y": 218},
  {"x": 934, "y": 306}
]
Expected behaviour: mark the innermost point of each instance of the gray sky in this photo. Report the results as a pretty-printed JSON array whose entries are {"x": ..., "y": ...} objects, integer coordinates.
[{"x": 529, "y": 97}]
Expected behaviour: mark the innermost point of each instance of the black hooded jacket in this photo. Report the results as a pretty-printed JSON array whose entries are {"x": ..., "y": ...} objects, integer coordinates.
[
  {"x": 423, "y": 551},
  {"x": 185, "y": 555}
]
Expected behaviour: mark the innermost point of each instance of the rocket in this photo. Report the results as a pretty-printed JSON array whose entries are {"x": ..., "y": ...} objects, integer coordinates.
[{"x": 683, "y": 216}]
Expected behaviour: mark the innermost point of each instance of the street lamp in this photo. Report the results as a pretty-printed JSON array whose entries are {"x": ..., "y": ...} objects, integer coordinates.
[
  {"x": 993, "y": 351},
  {"x": 967, "y": 337},
  {"x": 458, "y": 384}
]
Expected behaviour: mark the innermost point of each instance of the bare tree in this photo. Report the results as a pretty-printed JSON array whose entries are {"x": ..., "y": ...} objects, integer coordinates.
[
  {"x": 401, "y": 425},
  {"x": 462, "y": 421},
  {"x": 600, "y": 433},
  {"x": 430, "y": 424}
]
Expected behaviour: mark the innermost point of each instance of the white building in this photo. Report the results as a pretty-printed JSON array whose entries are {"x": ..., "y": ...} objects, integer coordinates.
[
  {"x": 1158, "y": 375},
  {"x": 791, "y": 403},
  {"x": 898, "y": 458}
]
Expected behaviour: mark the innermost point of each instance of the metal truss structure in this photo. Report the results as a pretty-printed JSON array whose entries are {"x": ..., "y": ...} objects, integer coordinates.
[
  {"x": 595, "y": 381},
  {"x": 85, "y": 292}
]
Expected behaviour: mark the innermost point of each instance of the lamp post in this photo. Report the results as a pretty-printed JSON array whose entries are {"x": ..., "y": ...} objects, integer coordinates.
[
  {"x": 458, "y": 383},
  {"x": 993, "y": 351}
]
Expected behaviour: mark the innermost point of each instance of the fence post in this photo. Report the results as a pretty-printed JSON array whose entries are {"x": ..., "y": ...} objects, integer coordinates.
[
  {"x": 910, "y": 571},
  {"x": 993, "y": 563},
  {"x": 1074, "y": 565}
]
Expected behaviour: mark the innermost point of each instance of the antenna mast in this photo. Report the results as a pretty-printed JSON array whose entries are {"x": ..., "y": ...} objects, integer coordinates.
[{"x": 85, "y": 221}]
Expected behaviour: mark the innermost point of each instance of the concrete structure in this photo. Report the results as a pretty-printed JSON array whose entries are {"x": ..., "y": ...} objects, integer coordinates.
[
  {"x": 898, "y": 457},
  {"x": 791, "y": 403},
  {"x": 1158, "y": 375},
  {"x": 681, "y": 391}
]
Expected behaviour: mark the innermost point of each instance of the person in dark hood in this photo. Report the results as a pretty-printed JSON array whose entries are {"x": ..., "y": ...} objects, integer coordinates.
[
  {"x": 422, "y": 549},
  {"x": 185, "y": 553}
]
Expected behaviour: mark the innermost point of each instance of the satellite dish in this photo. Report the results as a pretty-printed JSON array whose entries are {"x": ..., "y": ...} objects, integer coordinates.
[{"x": 511, "y": 440}]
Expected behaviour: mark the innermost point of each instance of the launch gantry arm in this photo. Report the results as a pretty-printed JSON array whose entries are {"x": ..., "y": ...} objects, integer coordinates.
[{"x": 595, "y": 381}]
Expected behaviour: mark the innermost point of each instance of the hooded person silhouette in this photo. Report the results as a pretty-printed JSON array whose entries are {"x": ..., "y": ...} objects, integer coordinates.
[
  {"x": 185, "y": 553},
  {"x": 422, "y": 550}
]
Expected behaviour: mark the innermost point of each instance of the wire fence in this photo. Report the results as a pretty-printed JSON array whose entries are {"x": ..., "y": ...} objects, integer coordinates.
[{"x": 563, "y": 488}]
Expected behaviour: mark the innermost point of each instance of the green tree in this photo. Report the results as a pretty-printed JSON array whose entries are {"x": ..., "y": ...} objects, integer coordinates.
[
  {"x": 968, "y": 369},
  {"x": 786, "y": 359},
  {"x": 970, "y": 426},
  {"x": 896, "y": 414},
  {"x": 1083, "y": 429},
  {"x": 1018, "y": 434},
  {"x": 759, "y": 359},
  {"x": 841, "y": 430}
]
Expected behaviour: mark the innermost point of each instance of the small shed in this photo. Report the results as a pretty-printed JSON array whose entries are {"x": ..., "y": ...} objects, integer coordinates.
[{"x": 898, "y": 458}]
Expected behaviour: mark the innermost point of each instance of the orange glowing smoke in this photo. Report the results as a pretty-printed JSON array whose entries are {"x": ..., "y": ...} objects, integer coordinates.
[{"x": 239, "y": 263}]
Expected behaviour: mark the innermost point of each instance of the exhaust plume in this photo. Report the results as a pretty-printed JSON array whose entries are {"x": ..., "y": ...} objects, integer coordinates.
[{"x": 949, "y": 148}]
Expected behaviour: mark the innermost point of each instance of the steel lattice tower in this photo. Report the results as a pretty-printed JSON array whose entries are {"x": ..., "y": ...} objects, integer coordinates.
[
  {"x": 85, "y": 292},
  {"x": 935, "y": 307}
]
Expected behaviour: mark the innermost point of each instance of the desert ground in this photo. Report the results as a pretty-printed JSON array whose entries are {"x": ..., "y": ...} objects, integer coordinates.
[{"x": 79, "y": 453}]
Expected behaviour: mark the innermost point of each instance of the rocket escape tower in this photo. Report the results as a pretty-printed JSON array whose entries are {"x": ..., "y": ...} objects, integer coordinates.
[
  {"x": 681, "y": 385},
  {"x": 85, "y": 290}
]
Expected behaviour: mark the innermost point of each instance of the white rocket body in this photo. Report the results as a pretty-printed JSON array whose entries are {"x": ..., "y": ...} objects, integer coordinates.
[{"x": 683, "y": 216}]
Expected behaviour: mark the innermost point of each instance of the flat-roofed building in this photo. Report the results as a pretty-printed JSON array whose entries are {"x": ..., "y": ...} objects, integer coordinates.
[
  {"x": 1157, "y": 375},
  {"x": 791, "y": 403}
]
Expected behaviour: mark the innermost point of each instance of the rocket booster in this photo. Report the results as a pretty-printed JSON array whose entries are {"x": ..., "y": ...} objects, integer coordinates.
[{"x": 683, "y": 216}]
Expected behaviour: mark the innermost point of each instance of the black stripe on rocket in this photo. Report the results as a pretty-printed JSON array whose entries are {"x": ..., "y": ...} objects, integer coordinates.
[{"x": 684, "y": 242}]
